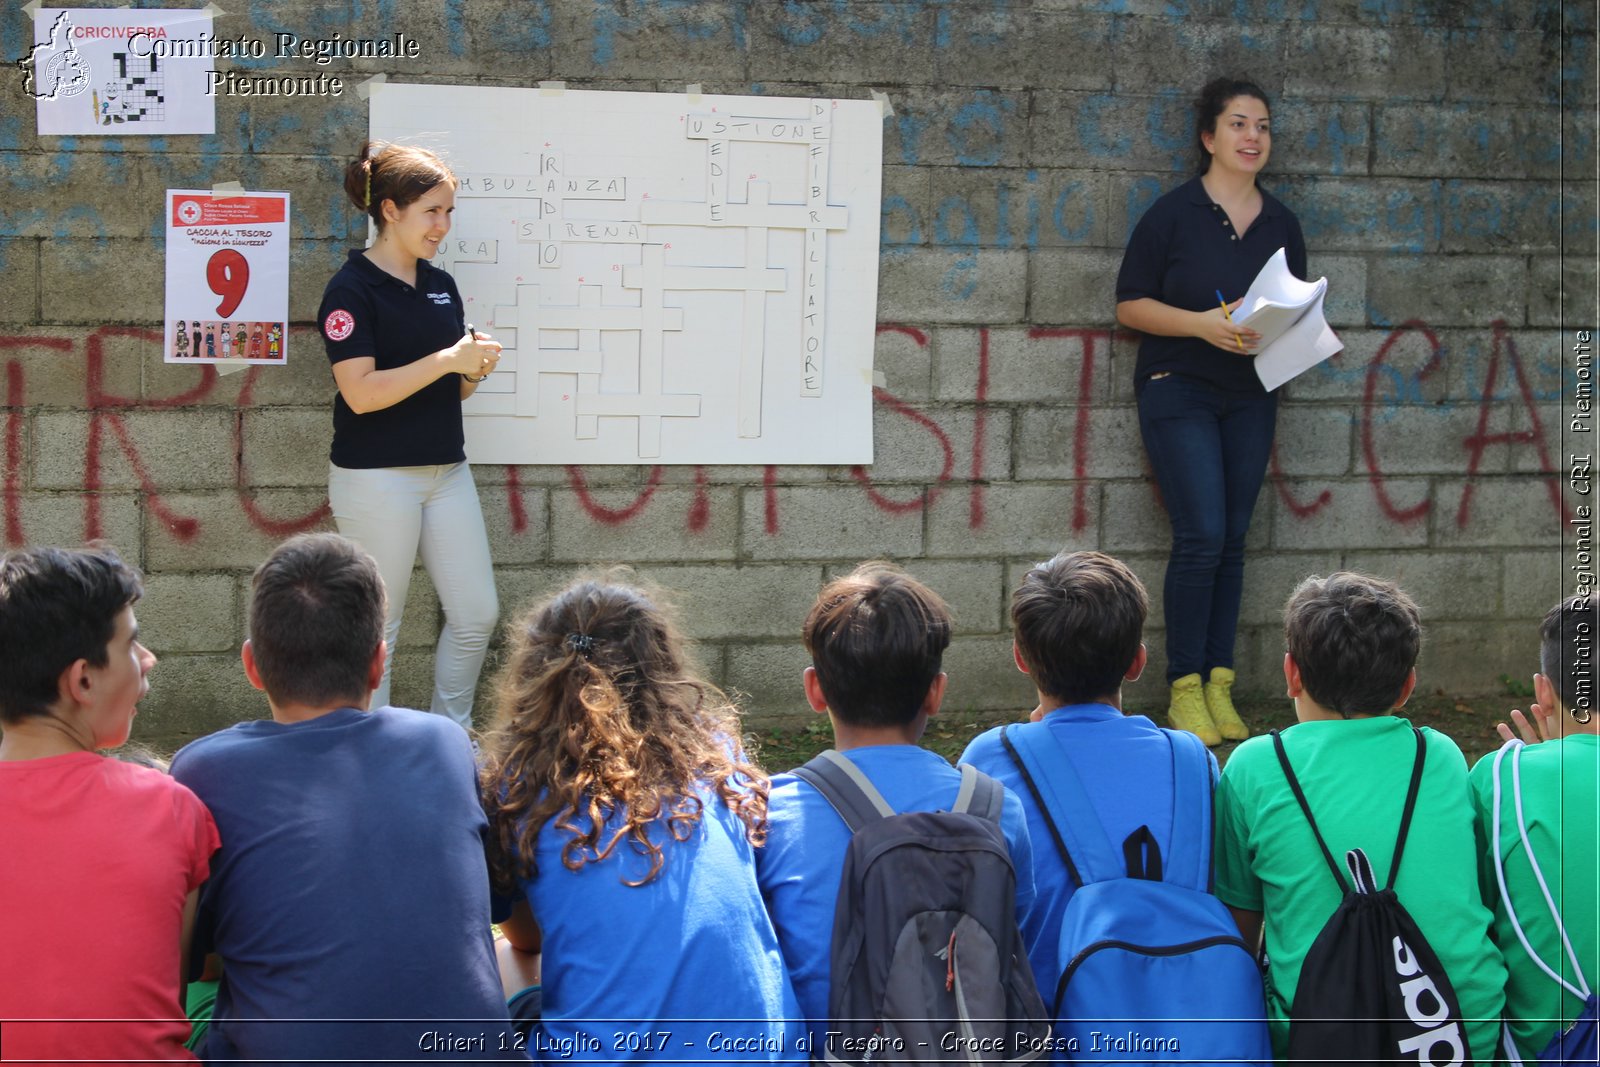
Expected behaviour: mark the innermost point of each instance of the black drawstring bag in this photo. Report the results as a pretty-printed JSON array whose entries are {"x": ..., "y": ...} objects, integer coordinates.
[{"x": 1372, "y": 990}]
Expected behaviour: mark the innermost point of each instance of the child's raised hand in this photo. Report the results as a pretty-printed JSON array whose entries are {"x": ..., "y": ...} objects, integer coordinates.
[{"x": 1534, "y": 727}]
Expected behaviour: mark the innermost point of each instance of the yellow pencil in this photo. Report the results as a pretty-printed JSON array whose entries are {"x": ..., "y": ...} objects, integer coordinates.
[{"x": 1225, "y": 314}]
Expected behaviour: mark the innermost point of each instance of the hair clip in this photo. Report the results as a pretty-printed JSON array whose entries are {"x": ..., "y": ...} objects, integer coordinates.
[{"x": 581, "y": 643}]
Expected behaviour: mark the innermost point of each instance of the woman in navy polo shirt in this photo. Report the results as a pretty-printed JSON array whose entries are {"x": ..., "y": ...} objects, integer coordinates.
[
  {"x": 1207, "y": 422},
  {"x": 403, "y": 360}
]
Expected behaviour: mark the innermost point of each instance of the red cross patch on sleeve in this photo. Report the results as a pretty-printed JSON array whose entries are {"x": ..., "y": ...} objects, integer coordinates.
[{"x": 338, "y": 325}]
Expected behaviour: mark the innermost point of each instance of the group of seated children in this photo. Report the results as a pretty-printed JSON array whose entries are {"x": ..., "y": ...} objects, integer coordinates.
[{"x": 661, "y": 899}]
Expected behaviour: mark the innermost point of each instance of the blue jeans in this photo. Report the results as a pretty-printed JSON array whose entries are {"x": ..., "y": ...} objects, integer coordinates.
[{"x": 1209, "y": 448}]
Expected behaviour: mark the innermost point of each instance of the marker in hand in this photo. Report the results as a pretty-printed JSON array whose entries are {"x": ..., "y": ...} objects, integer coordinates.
[
  {"x": 472, "y": 333},
  {"x": 1225, "y": 314}
]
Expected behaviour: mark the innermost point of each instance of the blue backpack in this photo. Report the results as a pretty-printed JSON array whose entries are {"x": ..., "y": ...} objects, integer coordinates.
[
  {"x": 1579, "y": 1042},
  {"x": 1154, "y": 968}
]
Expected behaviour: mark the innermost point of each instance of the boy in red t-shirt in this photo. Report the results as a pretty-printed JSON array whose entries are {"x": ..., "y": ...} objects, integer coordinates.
[{"x": 104, "y": 859}]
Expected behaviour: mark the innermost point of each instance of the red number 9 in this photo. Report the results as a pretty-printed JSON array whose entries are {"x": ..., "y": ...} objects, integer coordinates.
[{"x": 228, "y": 274}]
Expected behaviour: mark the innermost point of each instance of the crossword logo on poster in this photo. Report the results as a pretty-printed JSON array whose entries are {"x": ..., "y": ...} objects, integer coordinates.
[
  {"x": 55, "y": 69},
  {"x": 137, "y": 92}
]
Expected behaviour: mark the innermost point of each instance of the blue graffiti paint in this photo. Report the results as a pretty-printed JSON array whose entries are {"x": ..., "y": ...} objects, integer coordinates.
[
  {"x": 809, "y": 30},
  {"x": 1159, "y": 131},
  {"x": 949, "y": 208},
  {"x": 609, "y": 21},
  {"x": 1002, "y": 215},
  {"x": 525, "y": 27},
  {"x": 93, "y": 221},
  {"x": 1141, "y": 194},
  {"x": 1032, "y": 236},
  {"x": 455, "y": 26},
  {"x": 17, "y": 221},
  {"x": 961, "y": 280},
  {"x": 910, "y": 127},
  {"x": 17, "y": 178},
  {"x": 893, "y": 19},
  {"x": 898, "y": 205},
  {"x": 1344, "y": 143},
  {"x": 977, "y": 132},
  {"x": 1091, "y": 132},
  {"x": 1073, "y": 234}
]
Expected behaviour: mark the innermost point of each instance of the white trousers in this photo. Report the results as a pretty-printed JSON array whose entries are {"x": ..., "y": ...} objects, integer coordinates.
[{"x": 393, "y": 512}]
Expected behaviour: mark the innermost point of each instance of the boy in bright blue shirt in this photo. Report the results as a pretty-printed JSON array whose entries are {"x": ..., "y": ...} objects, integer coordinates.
[
  {"x": 1077, "y": 622},
  {"x": 877, "y": 639}
]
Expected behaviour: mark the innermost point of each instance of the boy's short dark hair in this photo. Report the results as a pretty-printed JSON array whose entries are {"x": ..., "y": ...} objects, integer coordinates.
[
  {"x": 1567, "y": 651},
  {"x": 877, "y": 638},
  {"x": 57, "y": 606},
  {"x": 1355, "y": 639},
  {"x": 316, "y": 617},
  {"x": 1077, "y": 622}
]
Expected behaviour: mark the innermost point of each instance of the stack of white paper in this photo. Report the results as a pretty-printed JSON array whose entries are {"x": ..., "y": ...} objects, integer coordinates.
[{"x": 1287, "y": 313}]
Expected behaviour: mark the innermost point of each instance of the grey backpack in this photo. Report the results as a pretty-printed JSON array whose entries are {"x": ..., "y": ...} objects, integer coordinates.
[{"x": 927, "y": 961}]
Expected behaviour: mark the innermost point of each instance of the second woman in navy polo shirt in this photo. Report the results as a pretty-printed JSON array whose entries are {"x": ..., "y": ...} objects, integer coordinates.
[
  {"x": 398, "y": 480},
  {"x": 1206, "y": 420}
]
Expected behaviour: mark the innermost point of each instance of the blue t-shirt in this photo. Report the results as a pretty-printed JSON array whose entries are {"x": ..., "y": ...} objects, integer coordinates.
[
  {"x": 1182, "y": 253},
  {"x": 683, "y": 968},
  {"x": 351, "y": 885},
  {"x": 803, "y": 860},
  {"x": 1125, "y": 764}
]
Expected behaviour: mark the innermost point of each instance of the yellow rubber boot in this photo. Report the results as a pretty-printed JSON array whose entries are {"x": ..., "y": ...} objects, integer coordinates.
[
  {"x": 1219, "y": 703},
  {"x": 1188, "y": 710}
]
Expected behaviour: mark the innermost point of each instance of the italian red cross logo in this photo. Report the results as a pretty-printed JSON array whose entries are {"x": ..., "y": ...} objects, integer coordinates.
[{"x": 338, "y": 325}]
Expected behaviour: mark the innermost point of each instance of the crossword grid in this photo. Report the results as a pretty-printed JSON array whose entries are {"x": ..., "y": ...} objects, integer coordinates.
[
  {"x": 656, "y": 268},
  {"x": 525, "y": 362},
  {"x": 139, "y": 92}
]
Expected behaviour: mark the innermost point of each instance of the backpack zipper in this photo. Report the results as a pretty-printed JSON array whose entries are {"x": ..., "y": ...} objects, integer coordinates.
[{"x": 1144, "y": 950}]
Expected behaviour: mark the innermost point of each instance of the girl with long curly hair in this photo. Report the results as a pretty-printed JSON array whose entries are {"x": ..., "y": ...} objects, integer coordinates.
[{"x": 624, "y": 813}]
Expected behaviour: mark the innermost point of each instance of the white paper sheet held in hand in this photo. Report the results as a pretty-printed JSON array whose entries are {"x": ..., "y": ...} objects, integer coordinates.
[{"x": 1287, "y": 313}]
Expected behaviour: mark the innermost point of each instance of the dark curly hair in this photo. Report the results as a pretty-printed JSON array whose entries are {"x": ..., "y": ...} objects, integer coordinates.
[
  {"x": 599, "y": 718},
  {"x": 1208, "y": 105}
]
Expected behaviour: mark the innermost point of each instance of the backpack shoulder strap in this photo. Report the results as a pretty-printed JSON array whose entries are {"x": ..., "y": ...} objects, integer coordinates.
[
  {"x": 1038, "y": 802},
  {"x": 979, "y": 794},
  {"x": 1300, "y": 796},
  {"x": 1066, "y": 806},
  {"x": 844, "y": 786},
  {"x": 1514, "y": 747},
  {"x": 1188, "y": 852},
  {"x": 1411, "y": 805}
]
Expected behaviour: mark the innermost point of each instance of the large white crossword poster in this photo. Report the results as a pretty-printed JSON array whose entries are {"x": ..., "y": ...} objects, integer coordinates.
[
  {"x": 675, "y": 278},
  {"x": 121, "y": 72}
]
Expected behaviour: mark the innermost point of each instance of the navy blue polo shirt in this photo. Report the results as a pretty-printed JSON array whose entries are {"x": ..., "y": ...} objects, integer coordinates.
[
  {"x": 366, "y": 311},
  {"x": 1181, "y": 253}
]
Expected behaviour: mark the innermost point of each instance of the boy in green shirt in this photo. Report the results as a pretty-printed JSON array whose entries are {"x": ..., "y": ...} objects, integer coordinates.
[
  {"x": 1560, "y": 809},
  {"x": 1352, "y": 649}
]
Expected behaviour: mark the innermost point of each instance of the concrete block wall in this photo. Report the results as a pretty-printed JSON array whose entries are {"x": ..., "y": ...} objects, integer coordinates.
[{"x": 1441, "y": 157}]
